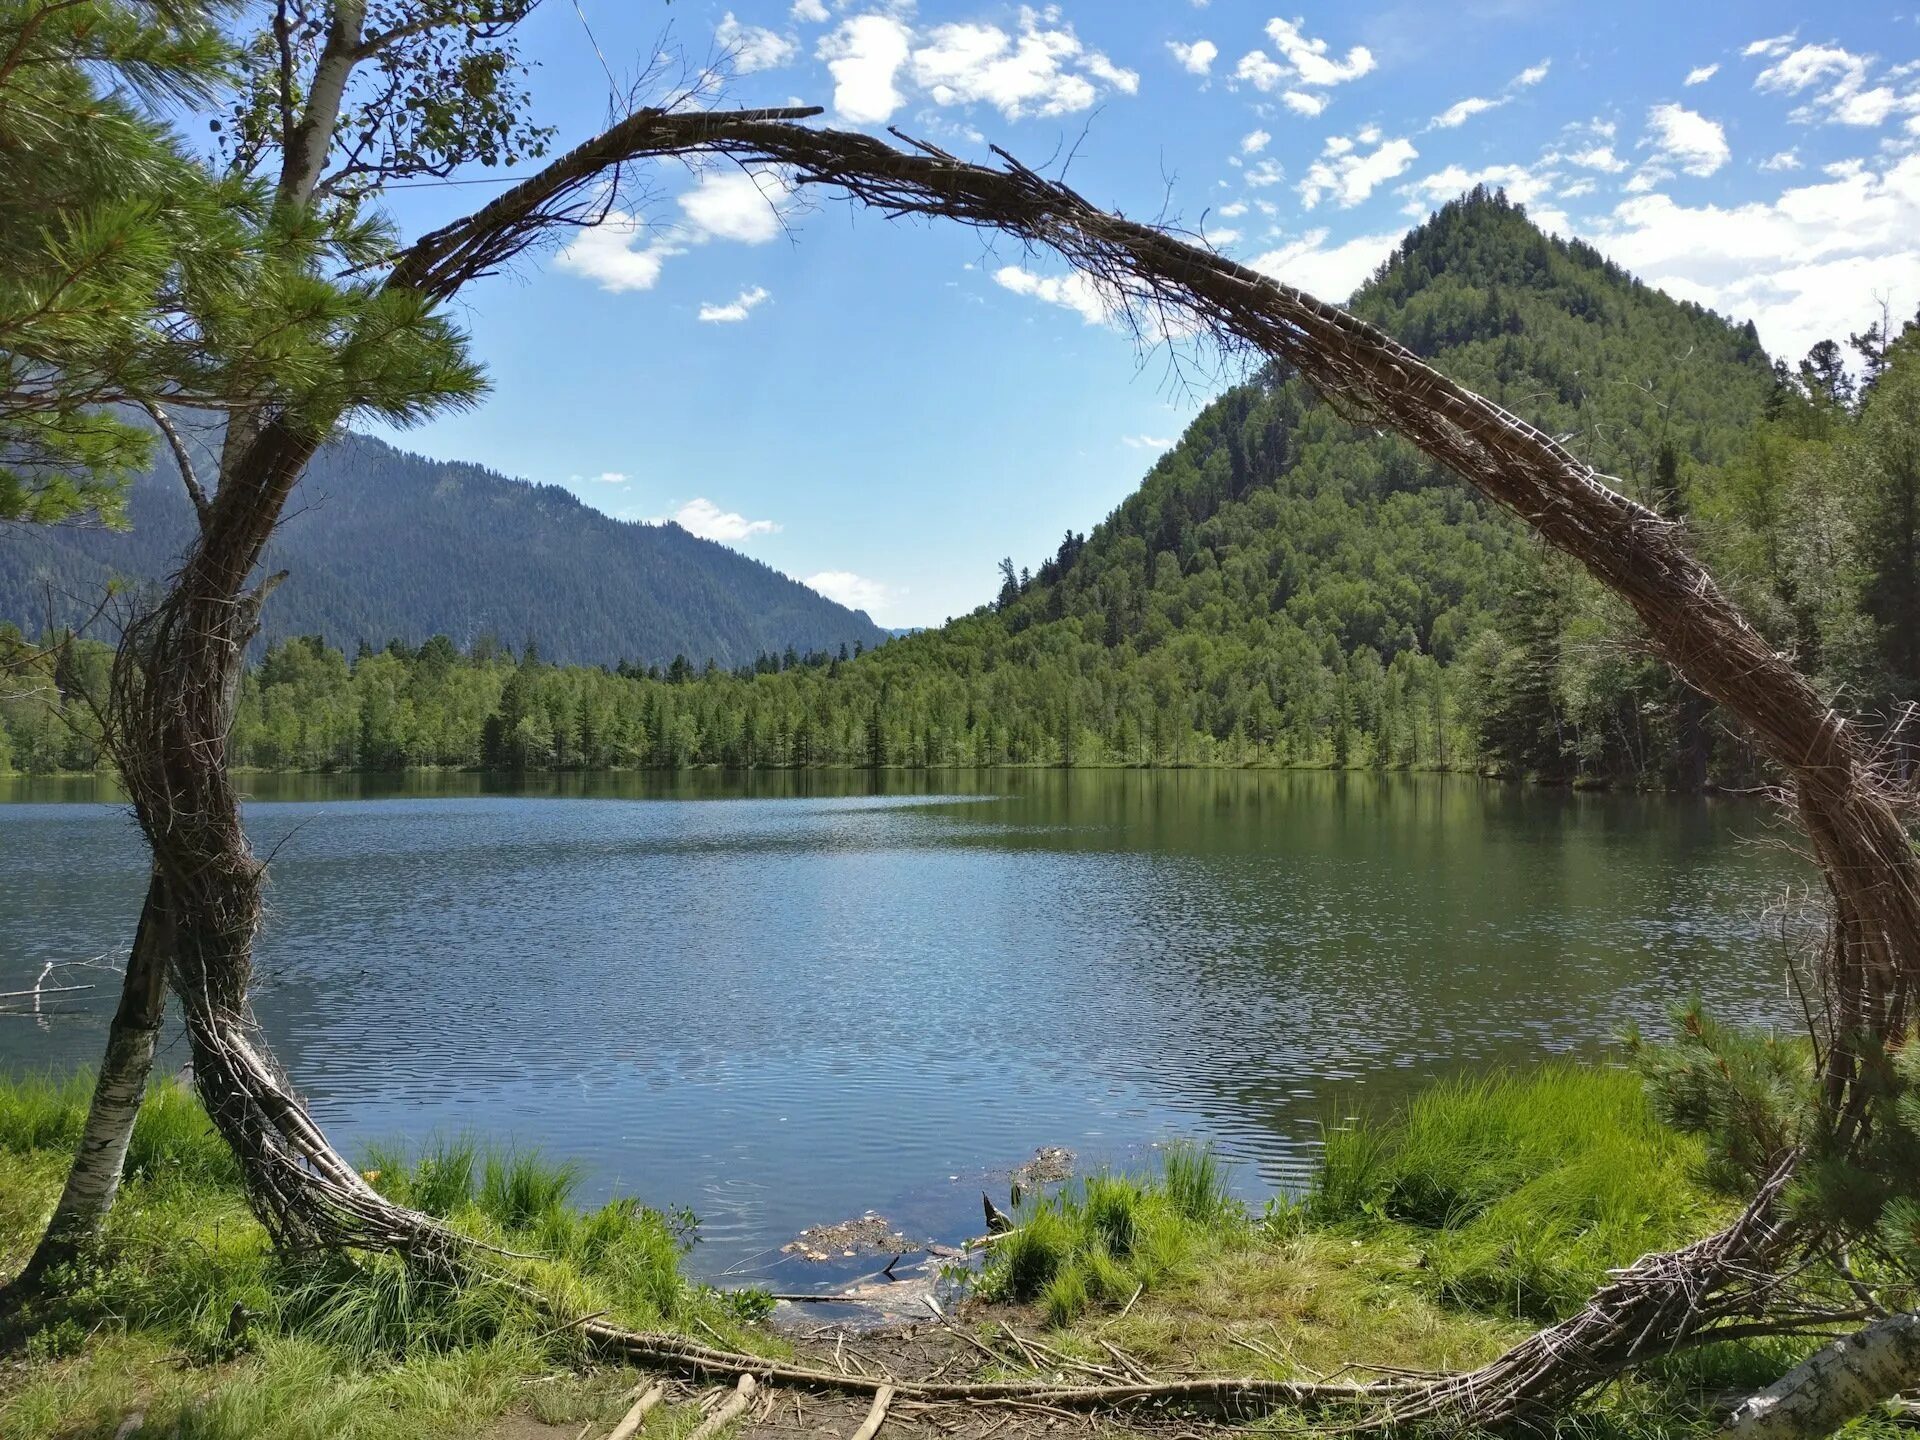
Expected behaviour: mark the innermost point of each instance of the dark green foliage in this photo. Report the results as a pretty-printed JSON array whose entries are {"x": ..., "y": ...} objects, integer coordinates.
[
  {"x": 1754, "y": 1098},
  {"x": 100, "y": 214},
  {"x": 1745, "y": 1093}
]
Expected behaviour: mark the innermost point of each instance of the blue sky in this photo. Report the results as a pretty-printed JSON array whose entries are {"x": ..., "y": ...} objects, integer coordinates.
[{"x": 883, "y": 409}]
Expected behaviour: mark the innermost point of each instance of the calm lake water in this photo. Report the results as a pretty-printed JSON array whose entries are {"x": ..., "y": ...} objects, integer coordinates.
[{"x": 784, "y": 1000}]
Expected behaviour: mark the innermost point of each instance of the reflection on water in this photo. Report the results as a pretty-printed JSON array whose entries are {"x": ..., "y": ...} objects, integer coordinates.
[{"x": 784, "y": 999}]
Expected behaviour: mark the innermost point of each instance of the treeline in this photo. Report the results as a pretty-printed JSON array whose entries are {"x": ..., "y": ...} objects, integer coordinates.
[
  {"x": 310, "y": 707},
  {"x": 1284, "y": 588}
]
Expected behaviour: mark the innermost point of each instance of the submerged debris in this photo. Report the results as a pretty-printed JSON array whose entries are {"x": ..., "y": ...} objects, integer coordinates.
[
  {"x": 1050, "y": 1163},
  {"x": 871, "y": 1234}
]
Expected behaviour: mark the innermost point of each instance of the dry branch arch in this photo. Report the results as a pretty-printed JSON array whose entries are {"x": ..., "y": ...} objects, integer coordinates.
[{"x": 177, "y": 669}]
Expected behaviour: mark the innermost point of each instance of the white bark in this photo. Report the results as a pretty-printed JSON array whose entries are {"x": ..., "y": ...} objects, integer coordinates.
[
  {"x": 1834, "y": 1384},
  {"x": 312, "y": 137},
  {"x": 94, "y": 1178}
]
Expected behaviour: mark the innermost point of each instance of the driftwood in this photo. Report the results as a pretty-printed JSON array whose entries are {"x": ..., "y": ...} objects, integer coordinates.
[
  {"x": 877, "y": 1415},
  {"x": 734, "y": 1407},
  {"x": 177, "y": 667},
  {"x": 630, "y": 1422}
]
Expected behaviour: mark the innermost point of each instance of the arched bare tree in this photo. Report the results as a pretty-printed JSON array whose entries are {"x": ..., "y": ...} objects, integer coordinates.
[{"x": 176, "y": 672}]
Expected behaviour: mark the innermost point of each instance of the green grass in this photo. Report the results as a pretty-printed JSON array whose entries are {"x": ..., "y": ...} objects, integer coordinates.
[
  {"x": 190, "y": 1315},
  {"x": 1102, "y": 1239},
  {"x": 1431, "y": 1239},
  {"x": 1526, "y": 1189}
]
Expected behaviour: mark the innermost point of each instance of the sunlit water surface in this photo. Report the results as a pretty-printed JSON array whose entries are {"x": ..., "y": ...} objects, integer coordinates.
[{"x": 785, "y": 1000}]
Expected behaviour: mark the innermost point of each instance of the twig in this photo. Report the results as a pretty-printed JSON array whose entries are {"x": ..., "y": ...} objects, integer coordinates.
[{"x": 49, "y": 990}]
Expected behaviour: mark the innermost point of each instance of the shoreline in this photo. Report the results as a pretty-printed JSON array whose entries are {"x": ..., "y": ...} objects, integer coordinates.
[
  {"x": 1575, "y": 785},
  {"x": 1159, "y": 1270}
]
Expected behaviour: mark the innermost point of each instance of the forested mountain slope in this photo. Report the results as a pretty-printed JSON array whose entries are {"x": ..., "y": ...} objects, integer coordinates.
[
  {"x": 382, "y": 544},
  {"x": 1284, "y": 587}
]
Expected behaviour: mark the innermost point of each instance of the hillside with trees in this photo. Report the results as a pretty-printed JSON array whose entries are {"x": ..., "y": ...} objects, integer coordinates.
[
  {"x": 381, "y": 544},
  {"x": 1283, "y": 588}
]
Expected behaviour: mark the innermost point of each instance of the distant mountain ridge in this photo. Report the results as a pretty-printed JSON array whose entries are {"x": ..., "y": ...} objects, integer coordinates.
[{"x": 383, "y": 544}]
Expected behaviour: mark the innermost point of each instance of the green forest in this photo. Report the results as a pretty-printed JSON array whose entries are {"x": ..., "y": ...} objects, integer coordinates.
[{"x": 1284, "y": 588}]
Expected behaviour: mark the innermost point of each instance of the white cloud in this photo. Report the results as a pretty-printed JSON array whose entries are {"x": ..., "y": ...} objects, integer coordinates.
[
  {"x": 1303, "y": 61},
  {"x": 1259, "y": 70},
  {"x": 1254, "y": 141},
  {"x": 1577, "y": 189},
  {"x": 737, "y": 310},
  {"x": 1804, "y": 266},
  {"x": 605, "y": 477},
  {"x": 1522, "y": 186},
  {"x": 1796, "y": 70},
  {"x": 1233, "y": 211},
  {"x": 1845, "y": 98},
  {"x": 707, "y": 520},
  {"x": 736, "y": 205},
  {"x": 1127, "y": 82},
  {"x": 1146, "y": 442},
  {"x": 809, "y": 12},
  {"x": 1784, "y": 160},
  {"x": 1197, "y": 58},
  {"x": 753, "y": 47},
  {"x": 1598, "y": 157},
  {"x": 1774, "y": 45},
  {"x": 1044, "y": 70},
  {"x": 1349, "y": 176},
  {"x": 1700, "y": 74},
  {"x": 1332, "y": 273},
  {"x": 1073, "y": 291},
  {"x": 1687, "y": 139},
  {"x": 1309, "y": 57},
  {"x": 623, "y": 253},
  {"x": 863, "y": 56},
  {"x": 612, "y": 254},
  {"x": 1461, "y": 111},
  {"x": 1267, "y": 172},
  {"x": 856, "y": 592}
]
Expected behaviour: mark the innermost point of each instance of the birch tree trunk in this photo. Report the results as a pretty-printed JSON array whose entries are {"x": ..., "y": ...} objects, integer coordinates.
[
  {"x": 1834, "y": 1384},
  {"x": 98, "y": 1164}
]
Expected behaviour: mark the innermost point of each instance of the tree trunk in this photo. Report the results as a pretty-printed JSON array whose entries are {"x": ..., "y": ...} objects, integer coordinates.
[
  {"x": 1834, "y": 1384},
  {"x": 94, "y": 1178}
]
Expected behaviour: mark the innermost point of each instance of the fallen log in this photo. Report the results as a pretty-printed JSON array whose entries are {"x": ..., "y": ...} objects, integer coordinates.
[{"x": 1835, "y": 1384}]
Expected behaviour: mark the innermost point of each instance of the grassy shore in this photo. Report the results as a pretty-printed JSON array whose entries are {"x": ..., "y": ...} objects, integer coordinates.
[{"x": 1430, "y": 1239}]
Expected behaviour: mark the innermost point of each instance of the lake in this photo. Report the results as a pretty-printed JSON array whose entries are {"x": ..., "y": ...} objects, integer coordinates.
[{"x": 787, "y": 999}]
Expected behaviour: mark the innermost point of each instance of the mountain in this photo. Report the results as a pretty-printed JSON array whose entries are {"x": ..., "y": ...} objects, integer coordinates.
[
  {"x": 382, "y": 544},
  {"x": 1287, "y": 587}
]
